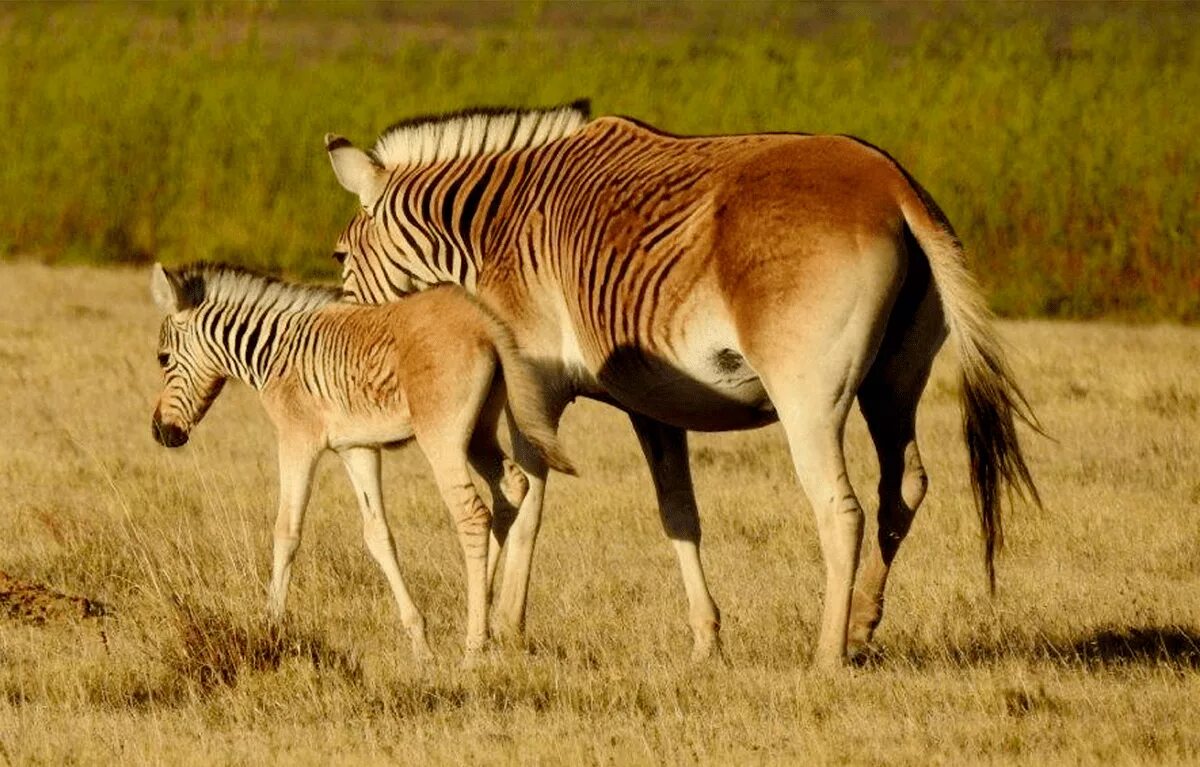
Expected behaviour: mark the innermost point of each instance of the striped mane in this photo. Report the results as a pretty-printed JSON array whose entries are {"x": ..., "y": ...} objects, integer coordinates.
[
  {"x": 235, "y": 286},
  {"x": 471, "y": 132}
]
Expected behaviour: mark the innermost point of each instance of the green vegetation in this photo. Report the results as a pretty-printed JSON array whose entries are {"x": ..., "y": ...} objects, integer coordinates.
[{"x": 1060, "y": 139}]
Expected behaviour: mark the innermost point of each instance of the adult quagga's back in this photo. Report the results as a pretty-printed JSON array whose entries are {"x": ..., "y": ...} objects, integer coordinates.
[
  {"x": 704, "y": 283},
  {"x": 437, "y": 367}
]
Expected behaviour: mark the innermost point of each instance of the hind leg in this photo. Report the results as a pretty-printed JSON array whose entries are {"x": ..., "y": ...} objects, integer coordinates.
[
  {"x": 888, "y": 398},
  {"x": 889, "y": 407},
  {"x": 811, "y": 381},
  {"x": 812, "y": 353},
  {"x": 522, "y": 534},
  {"x": 362, "y": 464},
  {"x": 508, "y": 484},
  {"x": 814, "y": 430},
  {"x": 472, "y": 519}
]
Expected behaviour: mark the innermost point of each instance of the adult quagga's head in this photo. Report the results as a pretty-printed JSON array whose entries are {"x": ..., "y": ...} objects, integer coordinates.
[
  {"x": 192, "y": 375},
  {"x": 427, "y": 191},
  {"x": 376, "y": 267},
  {"x": 364, "y": 280}
]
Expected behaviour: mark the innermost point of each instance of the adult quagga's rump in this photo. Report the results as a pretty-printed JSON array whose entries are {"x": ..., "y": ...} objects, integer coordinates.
[
  {"x": 333, "y": 376},
  {"x": 705, "y": 283}
]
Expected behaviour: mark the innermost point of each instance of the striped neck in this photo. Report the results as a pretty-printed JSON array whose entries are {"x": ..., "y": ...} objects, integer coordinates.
[{"x": 248, "y": 319}]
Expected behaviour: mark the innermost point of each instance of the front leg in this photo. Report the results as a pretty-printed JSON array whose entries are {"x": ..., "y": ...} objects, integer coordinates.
[
  {"x": 297, "y": 460},
  {"x": 666, "y": 452}
]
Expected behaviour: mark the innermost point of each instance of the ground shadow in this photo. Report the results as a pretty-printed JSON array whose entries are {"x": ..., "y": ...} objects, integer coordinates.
[
  {"x": 1173, "y": 646},
  {"x": 1110, "y": 647}
]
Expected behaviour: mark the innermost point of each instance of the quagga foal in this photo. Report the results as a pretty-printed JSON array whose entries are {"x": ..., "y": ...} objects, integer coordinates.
[
  {"x": 350, "y": 378},
  {"x": 705, "y": 283}
]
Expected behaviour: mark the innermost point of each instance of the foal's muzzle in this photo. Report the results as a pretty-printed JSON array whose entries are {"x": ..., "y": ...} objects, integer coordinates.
[{"x": 167, "y": 434}]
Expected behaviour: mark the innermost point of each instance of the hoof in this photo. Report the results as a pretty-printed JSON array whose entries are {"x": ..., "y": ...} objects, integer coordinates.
[
  {"x": 707, "y": 650},
  {"x": 507, "y": 635},
  {"x": 864, "y": 655},
  {"x": 421, "y": 652},
  {"x": 471, "y": 661},
  {"x": 825, "y": 662},
  {"x": 514, "y": 484}
]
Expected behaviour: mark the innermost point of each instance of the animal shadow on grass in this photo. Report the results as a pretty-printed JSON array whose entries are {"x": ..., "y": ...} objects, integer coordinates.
[
  {"x": 1174, "y": 646},
  {"x": 211, "y": 649},
  {"x": 1111, "y": 647}
]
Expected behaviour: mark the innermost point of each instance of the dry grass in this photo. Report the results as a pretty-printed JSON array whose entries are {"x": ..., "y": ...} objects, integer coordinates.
[{"x": 1088, "y": 654}]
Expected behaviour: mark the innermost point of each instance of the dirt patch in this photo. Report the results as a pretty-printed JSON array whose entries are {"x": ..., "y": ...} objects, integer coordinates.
[{"x": 37, "y": 604}]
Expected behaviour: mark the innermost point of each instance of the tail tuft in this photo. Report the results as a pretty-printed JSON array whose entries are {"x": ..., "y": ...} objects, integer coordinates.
[{"x": 992, "y": 401}]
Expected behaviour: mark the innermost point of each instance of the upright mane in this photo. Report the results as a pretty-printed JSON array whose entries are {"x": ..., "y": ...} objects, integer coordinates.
[
  {"x": 228, "y": 284},
  {"x": 471, "y": 132}
]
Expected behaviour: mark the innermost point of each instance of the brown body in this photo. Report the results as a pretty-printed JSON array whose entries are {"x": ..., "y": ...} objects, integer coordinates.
[
  {"x": 712, "y": 283},
  {"x": 437, "y": 367}
]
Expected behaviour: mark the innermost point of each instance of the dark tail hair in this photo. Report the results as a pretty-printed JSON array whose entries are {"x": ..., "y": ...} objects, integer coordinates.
[{"x": 992, "y": 401}]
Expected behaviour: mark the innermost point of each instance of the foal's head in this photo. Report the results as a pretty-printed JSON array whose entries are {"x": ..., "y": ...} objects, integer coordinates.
[{"x": 192, "y": 373}]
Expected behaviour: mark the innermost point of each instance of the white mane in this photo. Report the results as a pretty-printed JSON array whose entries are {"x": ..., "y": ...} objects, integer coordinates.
[
  {"x": 425, "y": 140},
  {"x": 224, "y": 284}
]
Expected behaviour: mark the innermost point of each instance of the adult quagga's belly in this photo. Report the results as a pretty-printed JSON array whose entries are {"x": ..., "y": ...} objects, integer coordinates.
[{"x": 713, "y": 391}]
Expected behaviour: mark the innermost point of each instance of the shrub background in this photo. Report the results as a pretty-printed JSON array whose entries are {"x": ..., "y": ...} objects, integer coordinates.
[{"x": 1060, "y": 139}]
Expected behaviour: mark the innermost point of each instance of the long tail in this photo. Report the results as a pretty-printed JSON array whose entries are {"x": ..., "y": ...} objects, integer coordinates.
[
  {"x": 526, "y": 401},
  {"x": 992, "y": 401}
]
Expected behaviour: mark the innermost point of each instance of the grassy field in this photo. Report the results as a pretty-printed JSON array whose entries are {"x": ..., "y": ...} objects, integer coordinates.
[
  {"x": 1059, "y": 137},
  {"x": 1090, "y": 653}
]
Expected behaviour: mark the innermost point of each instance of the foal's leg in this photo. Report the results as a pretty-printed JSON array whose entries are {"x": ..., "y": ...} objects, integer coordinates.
[
  {"x": 473, "y": 519},
  {"x": 297, "y": 459},
  {"x": 362, "y": 464},
  {"x": 665, "y": 448},
  {"x": 508, "y": 484}
]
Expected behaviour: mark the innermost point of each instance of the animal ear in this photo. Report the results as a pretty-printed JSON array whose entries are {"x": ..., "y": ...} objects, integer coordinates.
[
  {"x": 172, "y": 293},
  {"x": 355, "y": 170},
  {"x": 165, "y": 290}
]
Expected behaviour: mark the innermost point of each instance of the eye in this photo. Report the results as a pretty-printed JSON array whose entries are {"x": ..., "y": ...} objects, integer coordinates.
[
  {"x": 340, "y": 256},
  {"x": 163, "y": 359}
]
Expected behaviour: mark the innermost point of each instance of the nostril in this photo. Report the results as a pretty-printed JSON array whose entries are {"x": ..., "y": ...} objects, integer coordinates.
[{"x": 168, "y": 435}]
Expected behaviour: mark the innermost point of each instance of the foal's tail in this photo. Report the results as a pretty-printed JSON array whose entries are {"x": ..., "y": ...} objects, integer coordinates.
[
  {"x": 526, "y": 399},
  {"x": 991, "y": 399}
]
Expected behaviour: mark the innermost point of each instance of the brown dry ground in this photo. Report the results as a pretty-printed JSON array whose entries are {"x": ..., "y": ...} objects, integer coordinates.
[{"x": 1090, "y": 652}]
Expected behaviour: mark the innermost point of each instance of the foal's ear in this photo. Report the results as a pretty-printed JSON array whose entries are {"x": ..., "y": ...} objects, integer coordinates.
[
  {"x": 173, "y": 293},
  {"x": 165, "y": 290},
  {"x": 355, "y": 170}
]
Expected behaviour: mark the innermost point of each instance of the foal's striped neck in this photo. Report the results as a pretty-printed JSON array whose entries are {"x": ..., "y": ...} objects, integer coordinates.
[
  {"x": 232, "y": 286},
  {"x": 247, "y": 317}
]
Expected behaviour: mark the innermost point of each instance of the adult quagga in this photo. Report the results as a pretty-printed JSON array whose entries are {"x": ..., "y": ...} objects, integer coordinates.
[
  {"x": 704, "y": 283},
  {"x": 334, "y": 376}
]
